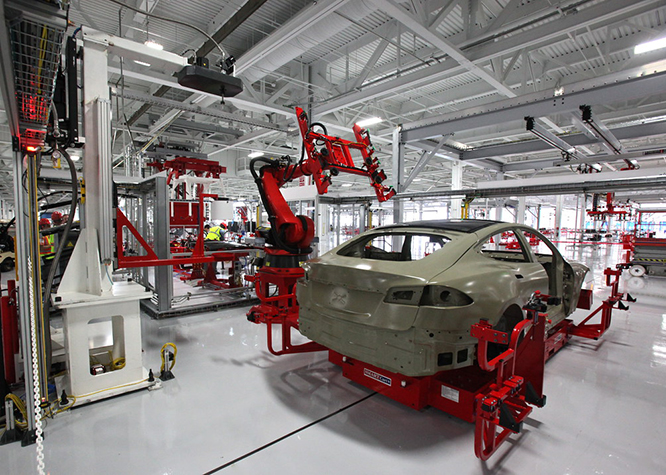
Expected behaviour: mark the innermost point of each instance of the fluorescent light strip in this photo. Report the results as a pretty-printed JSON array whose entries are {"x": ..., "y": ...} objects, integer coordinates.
[
  {"x": 153, "y": 44},
  {"x": 369, "y": 121},
  {"x": 255, "y": 154},
  {"x": 650, "y": 46}
]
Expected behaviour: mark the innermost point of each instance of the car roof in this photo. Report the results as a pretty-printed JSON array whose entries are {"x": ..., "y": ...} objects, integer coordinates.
[{"x": 460, "y": 225}]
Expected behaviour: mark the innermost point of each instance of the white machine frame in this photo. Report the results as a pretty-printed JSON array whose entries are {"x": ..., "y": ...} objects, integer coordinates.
[{"x": 87, "y": 293}]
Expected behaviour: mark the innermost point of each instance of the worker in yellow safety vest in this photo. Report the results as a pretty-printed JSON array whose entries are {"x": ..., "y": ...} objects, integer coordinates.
[
  {"x": 216, "y": 233},
  {"x": 46, "y": 242}
]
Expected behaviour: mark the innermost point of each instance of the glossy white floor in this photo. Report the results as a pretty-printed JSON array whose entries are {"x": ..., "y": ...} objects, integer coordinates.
[{"x": 234, "y": 408}]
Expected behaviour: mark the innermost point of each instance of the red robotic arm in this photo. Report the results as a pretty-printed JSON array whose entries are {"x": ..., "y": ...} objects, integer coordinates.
[{"x": 327, "y": 156}]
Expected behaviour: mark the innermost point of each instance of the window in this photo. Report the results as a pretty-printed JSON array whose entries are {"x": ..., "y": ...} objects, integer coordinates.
[
  {"x": 539, "y": 247},
  {"x": 504, "y": 246},
  {"x": 395, "y": 246}
]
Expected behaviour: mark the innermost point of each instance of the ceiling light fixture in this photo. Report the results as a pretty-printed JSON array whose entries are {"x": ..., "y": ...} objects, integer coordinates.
[
  {"x": 369, "y": 121},
  {"x": 347, "y": 184},
  {"x": 142, "y": 63},
  {"x": 153, "y": 44},
  {"x": 255, "y": 154},
  {"x": 650, "y": 46}
]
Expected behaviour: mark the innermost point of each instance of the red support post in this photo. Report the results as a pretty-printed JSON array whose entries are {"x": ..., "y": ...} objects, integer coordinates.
[
  {"x": 596, "y": 330},
  {"x": 519, "y": 378},
  {"x": 279, "y": 310},
  {"x": 10, "y": 336}
]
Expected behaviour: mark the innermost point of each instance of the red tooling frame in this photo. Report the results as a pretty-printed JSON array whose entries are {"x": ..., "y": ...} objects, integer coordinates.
[
  {"x": 280, "y": 309},
  {"x": 151, "y": 259},
  {"x": 181, "y": 165},
  {"x": 611, "y": 209},
  {"x": 498, "y": 394},
  {"x": 210, "y": 276}
]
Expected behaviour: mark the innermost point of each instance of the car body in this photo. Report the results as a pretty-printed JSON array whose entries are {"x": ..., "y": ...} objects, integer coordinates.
[{"x": 403, "y": 297}]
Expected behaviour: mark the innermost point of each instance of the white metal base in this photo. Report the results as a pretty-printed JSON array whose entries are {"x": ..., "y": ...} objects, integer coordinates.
[
  {"x": 102, "y": 324},
  {"x": 107, "y": 327}
]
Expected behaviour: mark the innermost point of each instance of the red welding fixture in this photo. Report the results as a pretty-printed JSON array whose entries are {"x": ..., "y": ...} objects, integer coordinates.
[
  {"x": 612, "y": 209},
  {"x": 496, "y": 394}
]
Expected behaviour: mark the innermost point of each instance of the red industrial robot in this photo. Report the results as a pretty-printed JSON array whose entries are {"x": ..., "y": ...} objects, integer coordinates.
[{"x": 289, "y": 237}]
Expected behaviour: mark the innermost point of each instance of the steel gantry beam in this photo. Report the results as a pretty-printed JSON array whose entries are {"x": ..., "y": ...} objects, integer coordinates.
[
  {"x": 575, "y": 140},
  {"x": 478, "y": 50},
  {"x": 551, "y": 139},
  {"x": 589, "y": 183},
  {"x": 543, "y": 103},
  {"x": 539, "y": 164},
  {"x": 241, "y": 101},
  {"x": 181, "y": 106}
]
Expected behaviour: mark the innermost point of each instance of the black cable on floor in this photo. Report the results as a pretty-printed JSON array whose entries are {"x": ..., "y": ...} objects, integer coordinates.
[{"x": 259, "y": 449}]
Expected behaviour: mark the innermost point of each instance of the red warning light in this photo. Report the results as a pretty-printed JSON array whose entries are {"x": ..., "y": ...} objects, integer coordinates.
[{"x": 32, "y": 148}]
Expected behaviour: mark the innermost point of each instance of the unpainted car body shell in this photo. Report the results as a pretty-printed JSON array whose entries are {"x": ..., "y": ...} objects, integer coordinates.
[{"x": 344, "y": 305}]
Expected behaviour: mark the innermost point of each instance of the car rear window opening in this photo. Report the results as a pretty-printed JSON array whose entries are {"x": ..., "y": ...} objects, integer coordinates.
[{"x": 395, "y": 246}]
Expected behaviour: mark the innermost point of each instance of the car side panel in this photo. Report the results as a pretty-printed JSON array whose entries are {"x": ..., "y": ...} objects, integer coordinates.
[{"x": 493, "y": 285}]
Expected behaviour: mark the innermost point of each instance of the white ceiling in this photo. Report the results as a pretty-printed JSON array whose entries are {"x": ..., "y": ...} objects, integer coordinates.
[{"x": 412, "y": 63}]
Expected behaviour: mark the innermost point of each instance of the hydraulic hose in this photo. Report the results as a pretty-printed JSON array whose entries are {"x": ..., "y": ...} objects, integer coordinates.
[{"x": 56, "y": 259}]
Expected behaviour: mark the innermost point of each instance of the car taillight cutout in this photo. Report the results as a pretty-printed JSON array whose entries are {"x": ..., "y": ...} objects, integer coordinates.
[{"x": 440, "y": 296}]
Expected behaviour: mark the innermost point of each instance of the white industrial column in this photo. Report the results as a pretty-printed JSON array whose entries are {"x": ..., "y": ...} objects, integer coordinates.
[
  {"x": 97, "y": 160},
  {"x": 558, "y": 217},
  {"x": 456, "y": 184},
  {"x": 398, "y": 175},
  {"x": 499, "y": 202},
  {"x": 583, "y": 211},
  {"x": 520, "y": 214}
]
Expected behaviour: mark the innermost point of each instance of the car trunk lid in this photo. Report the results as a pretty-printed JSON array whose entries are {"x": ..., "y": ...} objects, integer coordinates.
[{"x": 356, "y": 289}]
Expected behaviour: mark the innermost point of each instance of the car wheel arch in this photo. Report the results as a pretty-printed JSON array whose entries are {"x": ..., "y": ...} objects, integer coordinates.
[{"x": 509, "y": 317}]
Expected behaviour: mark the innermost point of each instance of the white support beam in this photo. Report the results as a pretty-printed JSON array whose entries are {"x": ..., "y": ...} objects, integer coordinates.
[
  {"x": 423, "y": 161},
  {"x": 242, "y": 101},
  {"x": 434, "y": 38},
  {"x": 520, "y": 212},
  {"x": 132, "y": 50},
  {"x": 456, "y": 184},
  {"x": 529, "y": 39},
  {"x": 308, "y": 16},
  {"x": 398, "y": 162},
  {"x": 443, "y": 13},
  {"x": 381, "y": 47}
]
